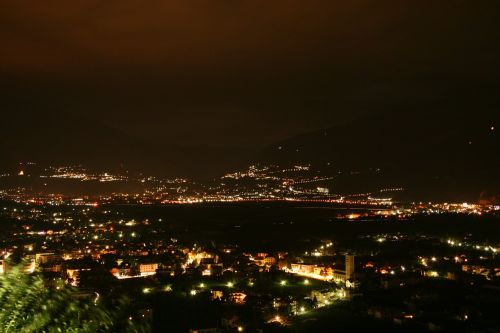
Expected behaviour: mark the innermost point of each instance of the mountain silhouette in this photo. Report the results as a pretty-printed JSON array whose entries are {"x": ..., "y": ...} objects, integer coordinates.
[{"x": 433, "y": 155}]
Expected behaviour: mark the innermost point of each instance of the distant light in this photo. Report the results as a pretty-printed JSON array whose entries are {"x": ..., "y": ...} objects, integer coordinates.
[
  {"x": 202, "y": 285},
  {"x": 302, "y": 309},
  {"x": 21, "y": 173},
  {"x": 193, "y": 292},
  {"x": 240, "y": 329},
  {"x": 146, "y": 290},
  {"x": 230, "y": 284},
  {"x": 306, "y": 282},
  {"x": 283, "y": 282}
]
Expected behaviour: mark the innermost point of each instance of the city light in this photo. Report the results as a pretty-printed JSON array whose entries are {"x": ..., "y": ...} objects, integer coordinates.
[{"x": 237, "y": 166}]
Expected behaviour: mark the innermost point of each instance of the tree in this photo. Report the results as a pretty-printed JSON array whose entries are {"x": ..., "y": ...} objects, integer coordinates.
[{"x": 28, "y": 305}]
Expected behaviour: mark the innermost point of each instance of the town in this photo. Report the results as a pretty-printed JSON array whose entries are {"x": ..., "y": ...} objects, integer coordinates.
[{"x": 169, "y": 266}]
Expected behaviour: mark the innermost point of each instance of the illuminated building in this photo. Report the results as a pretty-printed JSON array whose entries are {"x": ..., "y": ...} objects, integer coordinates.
[
  {"x": 237, "y": 297},
  {"x": 349, "y": 266},
  {"x": 45, "y": 258},
  {"x": 267, "y": 261},
  {"x": 148, "y": 269}
]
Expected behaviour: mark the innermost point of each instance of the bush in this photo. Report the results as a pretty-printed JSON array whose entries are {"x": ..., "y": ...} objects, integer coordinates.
[{"x": 28, "y": 305}]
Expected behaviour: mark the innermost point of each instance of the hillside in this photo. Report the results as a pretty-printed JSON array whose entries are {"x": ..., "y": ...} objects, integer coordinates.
[{"x": 432, "y": 155}]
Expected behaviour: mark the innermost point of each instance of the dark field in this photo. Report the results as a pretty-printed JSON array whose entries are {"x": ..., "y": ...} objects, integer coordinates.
[{"x": 288, "y": 226}]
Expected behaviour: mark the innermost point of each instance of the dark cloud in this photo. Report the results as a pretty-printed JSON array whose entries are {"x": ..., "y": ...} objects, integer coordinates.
[{"x": 244, "y": 72}]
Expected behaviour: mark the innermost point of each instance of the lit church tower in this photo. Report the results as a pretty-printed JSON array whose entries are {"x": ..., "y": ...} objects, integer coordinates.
[{"x": 349, "y": 266}]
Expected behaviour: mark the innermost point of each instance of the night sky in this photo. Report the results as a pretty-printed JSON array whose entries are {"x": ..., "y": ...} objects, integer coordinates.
[{"x": 240, "y": 73}]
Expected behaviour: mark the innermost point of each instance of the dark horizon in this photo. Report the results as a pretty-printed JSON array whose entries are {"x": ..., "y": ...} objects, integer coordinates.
[{"x": 202, "y": 89}]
